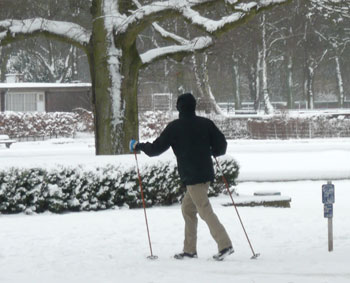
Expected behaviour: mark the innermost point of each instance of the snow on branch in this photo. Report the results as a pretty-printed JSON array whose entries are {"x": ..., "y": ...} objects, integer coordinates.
[
  {"x": 64, "y": 30},
  {"x": 196, "y": 44},
  {"x": 169, "y": 35},
  {"x": 211, "y": 26},
  {"x": 164, "y": 33},
  {"x": 185, "y": 9}
]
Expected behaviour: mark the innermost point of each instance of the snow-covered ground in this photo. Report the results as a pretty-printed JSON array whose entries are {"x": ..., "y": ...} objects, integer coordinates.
[{"x": 112, "y": 246}]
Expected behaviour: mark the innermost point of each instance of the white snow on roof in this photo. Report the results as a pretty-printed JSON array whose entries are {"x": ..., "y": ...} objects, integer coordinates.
[{"x": 43, "y": 85}]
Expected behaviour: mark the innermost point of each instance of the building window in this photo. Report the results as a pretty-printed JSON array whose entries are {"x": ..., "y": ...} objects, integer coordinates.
[{"x": 24, "y": 102}]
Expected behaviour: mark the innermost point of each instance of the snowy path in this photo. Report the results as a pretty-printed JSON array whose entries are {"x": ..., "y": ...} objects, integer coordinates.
[
  {"x": 112, "y": 246},
  {"x": 276, "y": 160},
  {"x": 271, "y": 160}
]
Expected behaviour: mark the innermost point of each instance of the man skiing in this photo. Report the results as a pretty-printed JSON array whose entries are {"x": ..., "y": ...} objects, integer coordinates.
[{"x": 194, "y": 140}]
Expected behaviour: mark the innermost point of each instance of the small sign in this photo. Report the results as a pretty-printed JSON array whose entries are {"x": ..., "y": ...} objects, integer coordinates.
[
  {"x": 328, "y": 193},
  {"x": 328, "y": 210}
]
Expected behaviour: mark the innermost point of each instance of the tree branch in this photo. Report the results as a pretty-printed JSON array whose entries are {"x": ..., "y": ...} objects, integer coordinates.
[
  {"x": 11, "y": 30},
  {"x": 169, "y": 35},
  {"x": 147, "y": 14},
  {"x": 194, "y": 45}
]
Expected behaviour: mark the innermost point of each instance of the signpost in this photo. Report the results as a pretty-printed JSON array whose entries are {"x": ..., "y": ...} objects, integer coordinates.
[{"x": 328, "y": 200}]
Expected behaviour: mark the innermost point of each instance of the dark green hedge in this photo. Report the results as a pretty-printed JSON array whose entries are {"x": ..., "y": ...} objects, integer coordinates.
[{"x": 77, "y": 189}]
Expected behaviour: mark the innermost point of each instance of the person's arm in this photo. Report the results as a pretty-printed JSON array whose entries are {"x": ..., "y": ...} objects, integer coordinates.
[
  {"x": 161, "y": 144},
  {"x": 217, "y": 141}
]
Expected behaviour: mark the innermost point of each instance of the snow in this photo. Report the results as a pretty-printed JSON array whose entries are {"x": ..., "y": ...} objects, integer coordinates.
[
  {"x": 112, "y": 246},
  {"x": 42, "y": 85},
  {"x": 197, "y": 43},
  {"x": 114, "y": 55},
  {"x": 59, "y": 28},
  {"x": 260, "y": 160}
]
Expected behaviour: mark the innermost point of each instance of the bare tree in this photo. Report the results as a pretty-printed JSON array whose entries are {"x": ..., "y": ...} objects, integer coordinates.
[
  {"x": 336, "y": 36},
  {"x": 109, "y": 41}
]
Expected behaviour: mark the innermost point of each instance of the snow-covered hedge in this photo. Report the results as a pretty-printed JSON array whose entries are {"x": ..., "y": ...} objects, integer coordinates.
[
  {"x": 315, "y": 126},
  {"x": 50, "y": 124},
  {"x": 153, "y": 122},
  {"x": 78, "y": 189},
  {"x": 233, "y": 128},
  {"x": 66, "y": 124},
  {"x": 319, "y": 125}
]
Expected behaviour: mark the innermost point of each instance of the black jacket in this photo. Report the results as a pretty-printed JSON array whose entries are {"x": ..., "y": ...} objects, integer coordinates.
[{"x": 193, "y": 139}]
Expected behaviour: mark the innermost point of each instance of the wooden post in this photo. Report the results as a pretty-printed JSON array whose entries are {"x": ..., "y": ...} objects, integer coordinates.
[
  {"x": 330, "y": 234},
  {"x": 328, "y": 200}
]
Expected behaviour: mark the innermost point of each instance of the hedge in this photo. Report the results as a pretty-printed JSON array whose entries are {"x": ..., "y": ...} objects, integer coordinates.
[
  {"x": 22, "y": 125},
  {"x": 25, "y": 126},
  {"x": 316, "y": 126},
  {"x": 37, "y": 190},
  {"x": 152, "y": 123}
]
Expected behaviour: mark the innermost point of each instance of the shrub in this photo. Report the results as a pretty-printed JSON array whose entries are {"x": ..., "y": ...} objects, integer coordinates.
[
  {"x": 34, "y": 124},
  {"x": 152, "y": 123},
  {"x": 60, "y": 124},
  {"x": 315, "y": 126},
  {"x": 77, "y": 189}
]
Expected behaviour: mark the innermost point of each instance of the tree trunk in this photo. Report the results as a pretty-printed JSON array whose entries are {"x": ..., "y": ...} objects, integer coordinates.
[
  {"x": 309, "y": 86},
  {"x": 238, "y": 105},
  {"x": 206, "y": 98},
  {"x": 4, "y": 57},
  {"x": 251, "y": 75},
  {"x": 114, "y": 69},
  {"x": 74, "y": 64},
  {"x": 290, "y": 99},
  {"x": 199, "y": 81},
  {"x": 257, "y": 82},
  {"x": 340, "y": 83},
  {"x": 268, "y": 106},
  {"x": 214, "y": 106}
]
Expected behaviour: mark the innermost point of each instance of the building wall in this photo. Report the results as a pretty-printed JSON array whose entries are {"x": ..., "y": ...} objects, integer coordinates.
[
  {"x": 67, "y": 101},
  {"x": 2, "y": 101},
  {"x": 49, "y": 100}
]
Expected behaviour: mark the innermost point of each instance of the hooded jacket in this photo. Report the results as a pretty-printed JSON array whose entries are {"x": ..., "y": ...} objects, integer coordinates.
[{"x": 193, "y": 139}]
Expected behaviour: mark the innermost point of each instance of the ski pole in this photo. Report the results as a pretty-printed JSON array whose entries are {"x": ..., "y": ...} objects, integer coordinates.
[
  {"x": 239, "y": 217},
  {"x": 144, "y": 209}
]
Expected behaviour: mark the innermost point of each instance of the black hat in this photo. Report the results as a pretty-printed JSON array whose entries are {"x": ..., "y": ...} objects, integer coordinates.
[{"x": 186, "y": 103}]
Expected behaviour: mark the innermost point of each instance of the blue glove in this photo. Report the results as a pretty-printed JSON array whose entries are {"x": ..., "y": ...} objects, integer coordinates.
[{"x": 132, "y": 145}]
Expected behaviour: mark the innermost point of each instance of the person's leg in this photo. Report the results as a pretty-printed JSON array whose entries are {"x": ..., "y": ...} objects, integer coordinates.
[
  {"x": 199, "y": 196},
  {"x": 189, "y": 213}
]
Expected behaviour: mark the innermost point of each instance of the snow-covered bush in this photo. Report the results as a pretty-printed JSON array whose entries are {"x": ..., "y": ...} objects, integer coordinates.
[
  {"x": 233, "y": 128},
  {"x": 37, "y": 125},
  {"x": 315, "y": 126},
  {"x": 152, "y": 123},
  {"x": 84, "y": 120},
  {"x": 78, "y": 189},
  {"x": 33, "y": 124},
  {"x": 45, "y": 124}
]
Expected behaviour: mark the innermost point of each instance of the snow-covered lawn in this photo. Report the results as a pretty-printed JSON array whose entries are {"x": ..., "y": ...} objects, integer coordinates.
[{"x": 112, "y": 246}]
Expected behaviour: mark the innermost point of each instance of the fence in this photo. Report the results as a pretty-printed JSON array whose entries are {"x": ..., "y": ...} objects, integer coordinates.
[
  {"x": 156, "y": 102},
  {"x": 277, "y": 127},
  {"x": 229, "y": 107},
  {"x": 319, "y": 127}
]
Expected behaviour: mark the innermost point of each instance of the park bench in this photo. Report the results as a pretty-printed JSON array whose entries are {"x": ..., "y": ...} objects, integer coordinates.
[{"x": 4, "y": 139}]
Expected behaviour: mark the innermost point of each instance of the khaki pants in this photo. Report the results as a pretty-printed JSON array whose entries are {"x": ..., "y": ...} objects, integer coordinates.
[{"x": 196, "y": 200}]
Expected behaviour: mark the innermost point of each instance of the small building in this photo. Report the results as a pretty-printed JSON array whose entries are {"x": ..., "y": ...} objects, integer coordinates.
[{"x": 43, "y": 97}]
